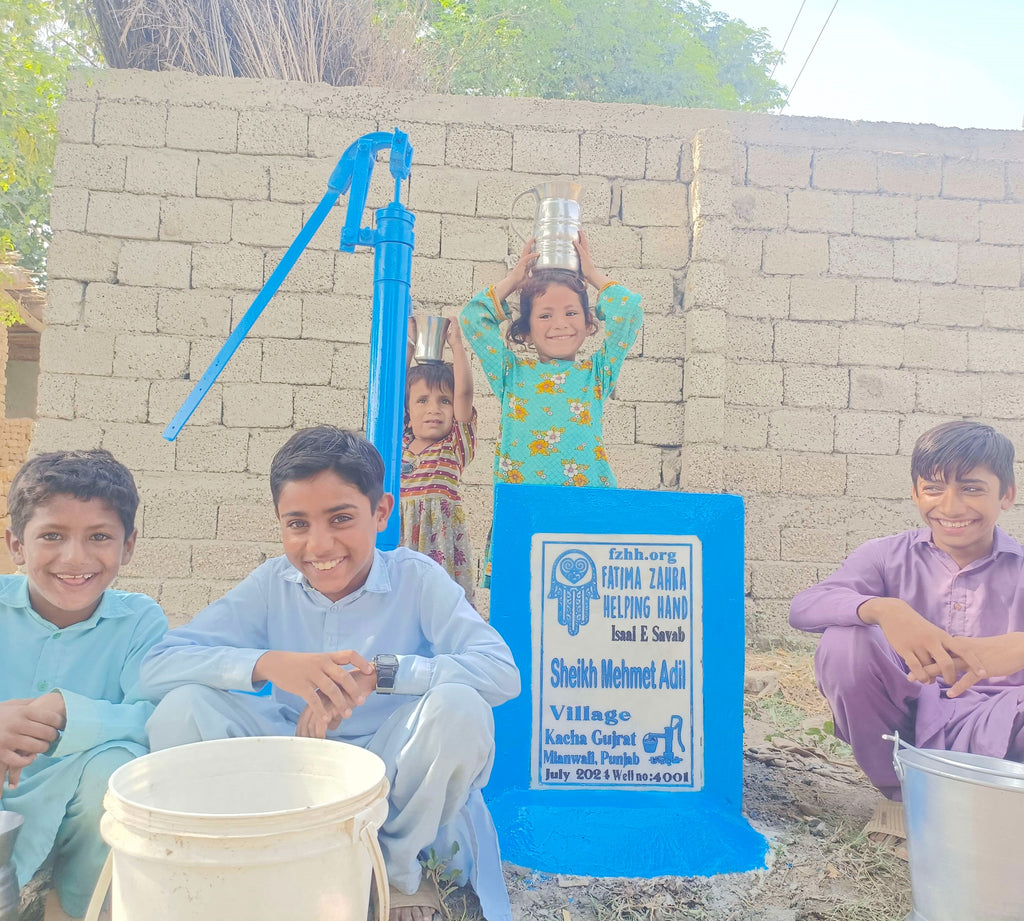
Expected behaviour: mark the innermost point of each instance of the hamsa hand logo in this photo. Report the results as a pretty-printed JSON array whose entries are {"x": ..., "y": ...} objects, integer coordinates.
[{"x": 574, "y": 585}]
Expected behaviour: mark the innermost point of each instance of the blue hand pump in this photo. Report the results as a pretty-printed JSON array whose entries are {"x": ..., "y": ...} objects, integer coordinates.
[{"x": 392, "y": 241}]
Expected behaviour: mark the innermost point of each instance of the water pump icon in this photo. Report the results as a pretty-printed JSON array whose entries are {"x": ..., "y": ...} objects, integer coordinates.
[{"x": 674, "y": 730}]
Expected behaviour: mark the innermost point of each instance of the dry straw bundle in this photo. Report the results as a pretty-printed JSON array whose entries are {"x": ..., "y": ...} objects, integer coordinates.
[{"x": 341, "y": 42}]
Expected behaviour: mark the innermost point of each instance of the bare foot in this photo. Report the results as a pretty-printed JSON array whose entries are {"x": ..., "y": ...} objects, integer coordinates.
[
  {"x": 412, "y": 913},
  {"x": 419, "y": 906}
]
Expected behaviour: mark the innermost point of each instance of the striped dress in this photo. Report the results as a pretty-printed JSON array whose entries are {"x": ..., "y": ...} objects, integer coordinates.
[{"x": 433, "y": 519}]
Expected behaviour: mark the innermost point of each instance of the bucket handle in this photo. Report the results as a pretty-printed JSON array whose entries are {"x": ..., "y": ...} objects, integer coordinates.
[
  {"x": 380, "y": 872},
  {"x": 512, "y": 208},
  {"x": 897, "y": 743},
  {"x": 92, "y": 913}
]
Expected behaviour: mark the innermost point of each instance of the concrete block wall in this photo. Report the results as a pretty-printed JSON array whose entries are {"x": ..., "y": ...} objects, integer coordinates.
[
  {"x": 15, "y": 435},
  {"x": 816, "y": 294}
]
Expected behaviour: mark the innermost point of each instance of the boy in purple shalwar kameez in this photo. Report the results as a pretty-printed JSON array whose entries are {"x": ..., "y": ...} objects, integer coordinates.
[{"x": 923, "y": 632}]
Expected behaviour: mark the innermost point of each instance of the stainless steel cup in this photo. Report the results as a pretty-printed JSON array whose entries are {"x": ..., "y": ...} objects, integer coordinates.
[
  {"x": 10, "y": 823},
  {"x": 431, "y": 334},
  {"x": 556, "y": 224}
]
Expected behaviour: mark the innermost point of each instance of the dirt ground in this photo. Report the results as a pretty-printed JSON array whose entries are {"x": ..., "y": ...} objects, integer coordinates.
[{"x": 801, "y": 789}]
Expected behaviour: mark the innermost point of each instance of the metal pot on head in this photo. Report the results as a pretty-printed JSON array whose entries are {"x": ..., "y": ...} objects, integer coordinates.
[
  {"x": 556, "y": 223},
  {"x": 431, "y": 335}
]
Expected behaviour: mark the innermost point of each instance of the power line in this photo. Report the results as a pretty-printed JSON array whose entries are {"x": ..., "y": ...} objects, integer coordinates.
[
  {"x": 796, "y": 18},
  {"x": 809, "y": 53}
]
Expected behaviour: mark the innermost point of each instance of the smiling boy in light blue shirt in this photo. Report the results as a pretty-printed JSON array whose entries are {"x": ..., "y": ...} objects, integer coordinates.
[
  {"x": 70, "y": 648},
  {"x": 378, "y": 649}
]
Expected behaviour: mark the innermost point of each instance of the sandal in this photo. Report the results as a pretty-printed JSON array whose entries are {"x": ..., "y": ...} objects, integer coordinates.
[
  {"x": 887, "y": 827},
  {"x": 424, "y": 897}
]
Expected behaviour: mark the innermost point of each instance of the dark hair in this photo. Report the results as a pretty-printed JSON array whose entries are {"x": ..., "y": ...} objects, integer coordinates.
[
  {"x": 437, "y": 375},
  {"x": 325, "y": 447},
  {"x": 83, "y": 474},
  {"x": 953, "y": 449},
  {"x": 535, "y": 286}
]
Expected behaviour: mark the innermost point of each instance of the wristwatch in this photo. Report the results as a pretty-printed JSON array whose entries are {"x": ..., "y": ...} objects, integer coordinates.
[{"x": 387, "y": 670}]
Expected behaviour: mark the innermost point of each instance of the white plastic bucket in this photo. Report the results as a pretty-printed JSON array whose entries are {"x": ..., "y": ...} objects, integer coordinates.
[{"x": 254, "y": 829}]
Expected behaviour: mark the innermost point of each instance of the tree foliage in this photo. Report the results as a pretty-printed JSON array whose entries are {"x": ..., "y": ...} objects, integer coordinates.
[
  {"x": 663, "y": 52},
  {"x": 39, "y": 40}
]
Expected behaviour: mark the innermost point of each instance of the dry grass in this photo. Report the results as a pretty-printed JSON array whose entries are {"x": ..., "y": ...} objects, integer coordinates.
[
  {"x": 341, "y": 42},
  {"x": 795, "y": 671}
]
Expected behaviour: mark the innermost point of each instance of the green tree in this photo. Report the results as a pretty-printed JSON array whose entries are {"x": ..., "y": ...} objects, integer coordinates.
[
  {"x": 663, "y": 52},
  {"x": 39, "y": 40}
]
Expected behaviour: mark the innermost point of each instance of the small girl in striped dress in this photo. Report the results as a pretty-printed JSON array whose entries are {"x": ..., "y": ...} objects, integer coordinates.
[{"x": 439, "y": 441}]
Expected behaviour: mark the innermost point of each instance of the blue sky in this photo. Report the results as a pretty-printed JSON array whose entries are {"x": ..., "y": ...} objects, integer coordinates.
[{"x": 938, "y": 62}]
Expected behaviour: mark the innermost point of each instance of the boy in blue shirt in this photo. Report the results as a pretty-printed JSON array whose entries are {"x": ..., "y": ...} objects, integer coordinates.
[
  {"x": 70, "y": 708},
  {"x": 377, "y": 649}
]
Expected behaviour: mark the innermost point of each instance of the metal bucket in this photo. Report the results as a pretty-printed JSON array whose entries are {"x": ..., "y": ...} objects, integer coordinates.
[
  {"x": 556, "y": 223},
  {"x": 431, "y": 334},
  {"x": 10, "y": 823},
  {"x": 964, "y": 814}
]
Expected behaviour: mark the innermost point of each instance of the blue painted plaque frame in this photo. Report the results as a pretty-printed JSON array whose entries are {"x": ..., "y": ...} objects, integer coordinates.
[{"x": 621, "y": 832}]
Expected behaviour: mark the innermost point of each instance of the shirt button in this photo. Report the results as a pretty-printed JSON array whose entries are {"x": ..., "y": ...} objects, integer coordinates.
[
  {"x": 55, "y": 636},
  {"x": 957, "y": 606},
  {"x": 42, "y": 686}
]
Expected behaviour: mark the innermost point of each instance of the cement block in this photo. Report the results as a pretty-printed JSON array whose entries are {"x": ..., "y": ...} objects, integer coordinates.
[
  {"x": 61, "y": 434},
  {"x": 312, "y": 272},
  {"x": 822, "y": 299},
  {"x": 245, "y": 364},
  {"x": 810, "y": 474},
  {"x": 161, "y": 172},
  {"x": 668, "y": 159},
  {"x": 886, "y": 301},
  {"x": 82, "y": 257},
  {"x": 884, "y": 216},
  {"x": 265, "y": 131},
  {"x": 233, "y": 177},
  {"x": 474, "y": 238},
  {"x": 931, "y": 347},
  {"x": 952, "y": 394},
  {"x": 948, "y": 219},
  {"x": 755, "y": 473},
  {"x": 786, "y": 167},
  {"x": 445, "y": 190},
  {"x": 877, "y": 476},
  {"x": 753, "y": 384},
  {"x": 166, "y": 397},
  {"x": 65, "y": 301},
  {"x": 202, "y": 128},
  {"x": 303, "y": 181},
  {"x": 861, "y": 256},
  {"x": 155, "y": 264},
  {"x": 749, "y": 338},
  {"x": 654, "y": 204},
  {"x": 796, "y": 429},
  {"x": 192, "y": 220},
  {"x": 263, "y": 445},
  {"x": 815, "y": 210},
  {"x": 815, "y": 386},
  {"x": 665, "y": 336},
  {"x": 883, "y": 389},
  {"x": 118, "y": 215},
  {"x": 330, "y": 406},
  {"x": 297, "y": 361},
  {"x": 963, "y": 177},
  {"x": 112, "y": 399},
  {"x": 143, "y": 356},
  {"x": 1002, "y": 223},
  {"x": 662, "y": 423},
  {"x": 852, "y": 170},
  {"x": 925, "y": 260},
  {"x": 63, "y": 350},
  {"x": 55, "y": 398},
  {"x": 214, "y": 449},
  {"x": 810, "y": 343},
  {"x": 265, "y": 223},
  {"x": 705, "y": 376},
  {"x": 613, "y": 155},
  {"x": 139, "y": 447},
  {"x": 985, "y": 265},
  {"x": 68, "y": 209},
  {"x": 909, "y": 174},
  {"x": 867, "y": 432},
  {"x": 760, "y": 209},
  {"x": 83, "y": 166},
  {"x": 120, "y": 307},
  {"x": 952, "y": 305},
  {"x": 1003, "y": 307},
  {"x": 995, "y": 350},
  {"x": 331, "y": 135},
  {"x": 536, "y": 150},
  {"x": 134, "y": 124},
  {"x": 791, "y": 253},
  {"x": 646, "y": 379},
  {"x": 745, "y": 427},
  {"x": 193, "y": 313},
  {"x": 75, "y": 119},
  {"x": 257, "y": 405}
]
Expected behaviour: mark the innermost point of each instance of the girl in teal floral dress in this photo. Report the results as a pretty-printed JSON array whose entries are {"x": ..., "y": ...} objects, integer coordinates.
[{"x": 552, "y": 402}]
